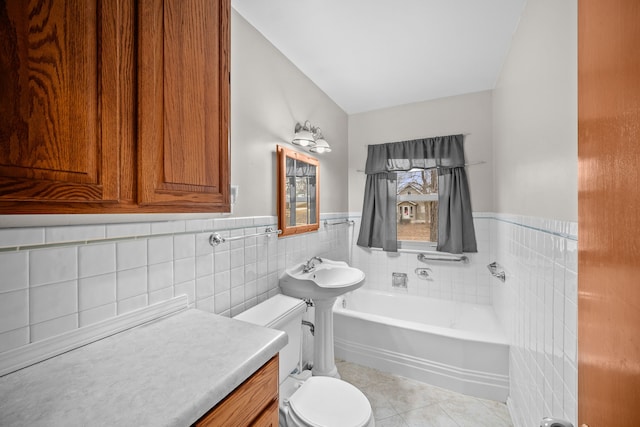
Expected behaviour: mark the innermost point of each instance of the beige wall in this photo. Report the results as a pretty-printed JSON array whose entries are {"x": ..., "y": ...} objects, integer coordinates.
[
  {"x": 268, "y": 96},
  {"x": 468, "y": 114},
  {"x": 535, "y": 115}
]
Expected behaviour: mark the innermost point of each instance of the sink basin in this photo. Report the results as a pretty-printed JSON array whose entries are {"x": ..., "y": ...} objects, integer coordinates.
[{"x": 329, "y": 279}]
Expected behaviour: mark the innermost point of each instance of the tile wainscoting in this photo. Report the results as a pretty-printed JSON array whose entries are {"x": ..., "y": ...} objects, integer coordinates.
[
  {"x": 448, "y": 280},
  {"x": 538, "y": 308},
  {"x": 56, "y": 279}
]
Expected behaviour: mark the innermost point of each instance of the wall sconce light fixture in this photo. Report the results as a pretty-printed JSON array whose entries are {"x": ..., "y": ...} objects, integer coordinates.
[{"x": 311, "y": 138}]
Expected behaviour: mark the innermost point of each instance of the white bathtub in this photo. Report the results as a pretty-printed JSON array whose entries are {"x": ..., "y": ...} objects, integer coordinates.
[{"x": 457, "y": 346}]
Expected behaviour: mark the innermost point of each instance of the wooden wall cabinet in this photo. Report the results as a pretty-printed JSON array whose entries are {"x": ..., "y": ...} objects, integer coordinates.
[
  {"x": 114, "y": 106},
  {"x": 253, "y": 403}
]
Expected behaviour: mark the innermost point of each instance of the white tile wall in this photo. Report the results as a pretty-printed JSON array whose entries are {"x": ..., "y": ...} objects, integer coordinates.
[
  {"x": 10, "y": 237},
  {"x": 97, "y": 314},
  {"x": 53, "y": 286},
  {"x": 14, "y": 311},
  {"x": 52, "y": 265},
  {"x": 96, "y": 291},
  {"x": 76, "y": 233},
  {"x": 53, "y": 327},
  {"x": 131, "y": 283},
  {"x": 48, "y": 302},
  {"x": 15, "y": 271},
  {"x": 131, "y": 254},
  {"x": 451, "y": 281},
  {"x": 96, "y": 259},
  {"x": 537, "y": 306}
]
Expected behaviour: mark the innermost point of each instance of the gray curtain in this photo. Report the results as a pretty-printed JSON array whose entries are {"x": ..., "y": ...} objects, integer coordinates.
[
  {"x": 456, "y": 233},
  {"x": 380, "y": 208}
]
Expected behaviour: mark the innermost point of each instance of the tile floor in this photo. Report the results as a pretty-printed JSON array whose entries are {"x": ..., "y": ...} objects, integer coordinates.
[{"x": 402, "y": 402}]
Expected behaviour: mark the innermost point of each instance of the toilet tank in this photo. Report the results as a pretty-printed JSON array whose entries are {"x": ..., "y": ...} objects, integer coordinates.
[{"x": 285, "y": 314}]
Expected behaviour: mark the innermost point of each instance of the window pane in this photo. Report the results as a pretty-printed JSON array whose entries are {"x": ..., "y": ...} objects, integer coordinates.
[{"x": 418, "y": 205}]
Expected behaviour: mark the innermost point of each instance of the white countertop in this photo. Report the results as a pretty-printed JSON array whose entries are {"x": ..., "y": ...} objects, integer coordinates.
[{"x": 166, "y": 373}]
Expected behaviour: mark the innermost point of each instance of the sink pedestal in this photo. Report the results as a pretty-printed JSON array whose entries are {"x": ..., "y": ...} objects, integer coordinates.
[
  {"x": 322, "y": 282},
  {"x": 323, "y": 357}
]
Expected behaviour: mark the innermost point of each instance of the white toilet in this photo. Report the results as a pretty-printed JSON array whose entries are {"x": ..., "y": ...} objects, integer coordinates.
[{"x": 307, "y": 401}]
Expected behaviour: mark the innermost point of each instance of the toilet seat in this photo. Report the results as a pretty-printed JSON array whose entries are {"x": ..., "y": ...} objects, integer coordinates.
[{"x": 330, "y": 402}]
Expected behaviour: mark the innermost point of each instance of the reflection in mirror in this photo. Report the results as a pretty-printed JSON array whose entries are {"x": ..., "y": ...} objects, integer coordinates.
[{"x": 298, "y": 192}]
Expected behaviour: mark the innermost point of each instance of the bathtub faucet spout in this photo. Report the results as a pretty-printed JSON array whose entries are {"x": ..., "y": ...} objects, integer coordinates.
[{"x": 310, "y": 264}]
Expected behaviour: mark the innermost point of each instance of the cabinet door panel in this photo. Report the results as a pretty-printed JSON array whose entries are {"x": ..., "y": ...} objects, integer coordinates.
[
  {"x": 184, "y": 104},
  {"x": 254, "y": 402},
  {"x": 60, "y": 107}
]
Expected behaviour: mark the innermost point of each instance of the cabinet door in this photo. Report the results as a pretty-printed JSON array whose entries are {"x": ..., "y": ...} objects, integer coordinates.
[
  {"x": 183, "y": 105},
  {"x": 66, "y": 68},
  {"x": 253, "y": 403}
]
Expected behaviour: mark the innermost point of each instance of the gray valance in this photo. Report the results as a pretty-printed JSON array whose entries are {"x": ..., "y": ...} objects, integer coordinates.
[
  {"x": 426, "y": 153},
  {"x": 456, "y": 232}
]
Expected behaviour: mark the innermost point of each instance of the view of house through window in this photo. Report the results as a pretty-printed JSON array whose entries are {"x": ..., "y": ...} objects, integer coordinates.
[{"x": 418, "y": 205}]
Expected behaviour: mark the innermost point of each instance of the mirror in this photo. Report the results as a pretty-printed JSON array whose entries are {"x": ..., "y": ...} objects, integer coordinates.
[{"x": 298, "y": 192}]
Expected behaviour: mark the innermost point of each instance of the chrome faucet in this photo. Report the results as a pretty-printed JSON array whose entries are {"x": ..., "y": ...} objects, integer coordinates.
[{"x": 310, "y": 265}]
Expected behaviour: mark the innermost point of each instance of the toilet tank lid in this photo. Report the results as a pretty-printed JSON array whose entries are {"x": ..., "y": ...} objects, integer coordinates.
[{"x": 271, "y": 311}]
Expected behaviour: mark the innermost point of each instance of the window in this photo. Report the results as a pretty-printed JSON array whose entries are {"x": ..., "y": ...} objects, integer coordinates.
[
  {"x": 417, "y": 199},
  {"x": 421, "y": 217}
]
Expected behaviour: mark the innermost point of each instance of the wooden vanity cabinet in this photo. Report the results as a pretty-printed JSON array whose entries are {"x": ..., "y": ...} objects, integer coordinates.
[
  {"x": 114, "y": 106},
  {"x": 253, "y": 403}
]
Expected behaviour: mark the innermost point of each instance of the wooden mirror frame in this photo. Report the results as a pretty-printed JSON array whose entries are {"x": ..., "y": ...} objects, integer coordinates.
[{"x": 282, "y": 155}]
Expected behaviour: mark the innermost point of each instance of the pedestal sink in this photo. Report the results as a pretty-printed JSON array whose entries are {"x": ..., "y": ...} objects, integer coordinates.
[{"x": 322, "y": 281}]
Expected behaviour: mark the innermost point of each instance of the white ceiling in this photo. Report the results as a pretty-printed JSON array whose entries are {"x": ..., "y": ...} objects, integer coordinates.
[{"x": 372, "y": 54}]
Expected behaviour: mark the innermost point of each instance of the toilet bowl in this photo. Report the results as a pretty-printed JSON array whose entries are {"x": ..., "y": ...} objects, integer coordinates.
[{"x": 305, "y": 400}]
